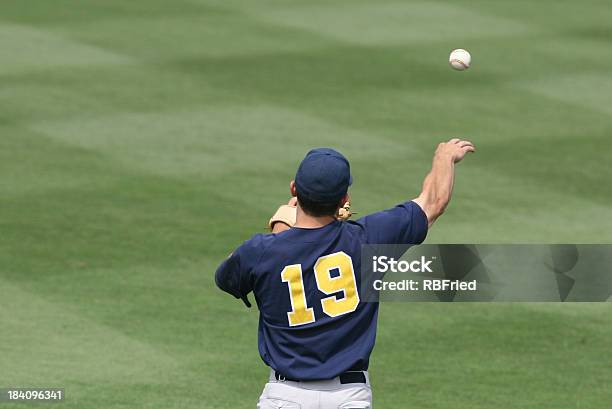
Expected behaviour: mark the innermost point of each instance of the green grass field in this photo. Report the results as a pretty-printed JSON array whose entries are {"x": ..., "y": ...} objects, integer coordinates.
[{"x": 141, "y": 141}]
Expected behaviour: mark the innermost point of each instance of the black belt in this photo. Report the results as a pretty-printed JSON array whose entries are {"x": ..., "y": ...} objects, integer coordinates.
[{"x": 346, "y": 377}]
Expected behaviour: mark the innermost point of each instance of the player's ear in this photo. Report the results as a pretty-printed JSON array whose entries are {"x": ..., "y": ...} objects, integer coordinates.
[{"x": 292, "y": 188}]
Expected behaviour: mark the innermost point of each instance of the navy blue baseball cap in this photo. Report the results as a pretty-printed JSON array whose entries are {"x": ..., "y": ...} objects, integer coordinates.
[{"x": 323, "y": 176}]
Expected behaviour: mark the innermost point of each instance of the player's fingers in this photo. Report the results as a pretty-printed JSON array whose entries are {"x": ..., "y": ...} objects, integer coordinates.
[
  {"x": 465, "y": 143},
  {"x": 468, "y": 148},
  {"x": 454, "y": 140}
]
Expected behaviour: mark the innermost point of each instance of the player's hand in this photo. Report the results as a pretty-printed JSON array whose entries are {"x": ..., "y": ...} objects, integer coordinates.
[{"x": 456, "y": 149}]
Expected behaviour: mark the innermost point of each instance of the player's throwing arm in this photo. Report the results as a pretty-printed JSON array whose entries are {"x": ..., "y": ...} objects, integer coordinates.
[{"x": 438, "y": 185}]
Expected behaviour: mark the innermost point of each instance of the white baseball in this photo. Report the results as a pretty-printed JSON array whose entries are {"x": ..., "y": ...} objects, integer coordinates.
[{"x": 460, "y": 59}]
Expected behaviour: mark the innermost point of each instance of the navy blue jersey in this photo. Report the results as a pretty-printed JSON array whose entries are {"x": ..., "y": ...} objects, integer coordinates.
[{"x": 312, "y": 325}]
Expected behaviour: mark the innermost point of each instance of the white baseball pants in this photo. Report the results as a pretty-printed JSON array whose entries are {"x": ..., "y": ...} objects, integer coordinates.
[{"x": 330, "y": 394}]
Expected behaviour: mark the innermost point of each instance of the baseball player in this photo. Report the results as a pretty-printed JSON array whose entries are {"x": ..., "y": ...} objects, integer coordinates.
[{"x": 314, "y": 333}]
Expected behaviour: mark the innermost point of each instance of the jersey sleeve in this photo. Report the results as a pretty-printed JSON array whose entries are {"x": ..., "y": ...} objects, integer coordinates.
[
  {"x": 403, "y": 224},
  {"x": 235, "y": 274}
]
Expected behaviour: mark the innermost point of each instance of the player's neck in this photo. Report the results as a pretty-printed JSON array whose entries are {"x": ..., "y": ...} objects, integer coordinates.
[{"x": 306, "y": 221}]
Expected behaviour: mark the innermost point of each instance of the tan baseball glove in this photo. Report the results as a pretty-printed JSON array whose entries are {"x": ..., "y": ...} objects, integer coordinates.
[
  {"x": 286, "y": 214},
  {"x": 345, "y": 213}
]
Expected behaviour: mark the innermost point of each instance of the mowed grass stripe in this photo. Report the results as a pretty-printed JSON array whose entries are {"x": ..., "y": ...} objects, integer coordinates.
[
  {"x": 89, "y": 92},
  {"x": 97, "y": 365},
  {"x": 42, "y": 341},
  {"x": 588, "y": 90},
  {"x": 218, "y": 34},
  {"x": 43, "y": 13},
  {"x": 200, "y": 142},
  {"x": 391, "y": 22},
  {"x": 132, "y": 222},
  {"x": 29, "y": 49},
  {"x": 565, "y": 16},
  {"x": 451, "y": 350}
]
